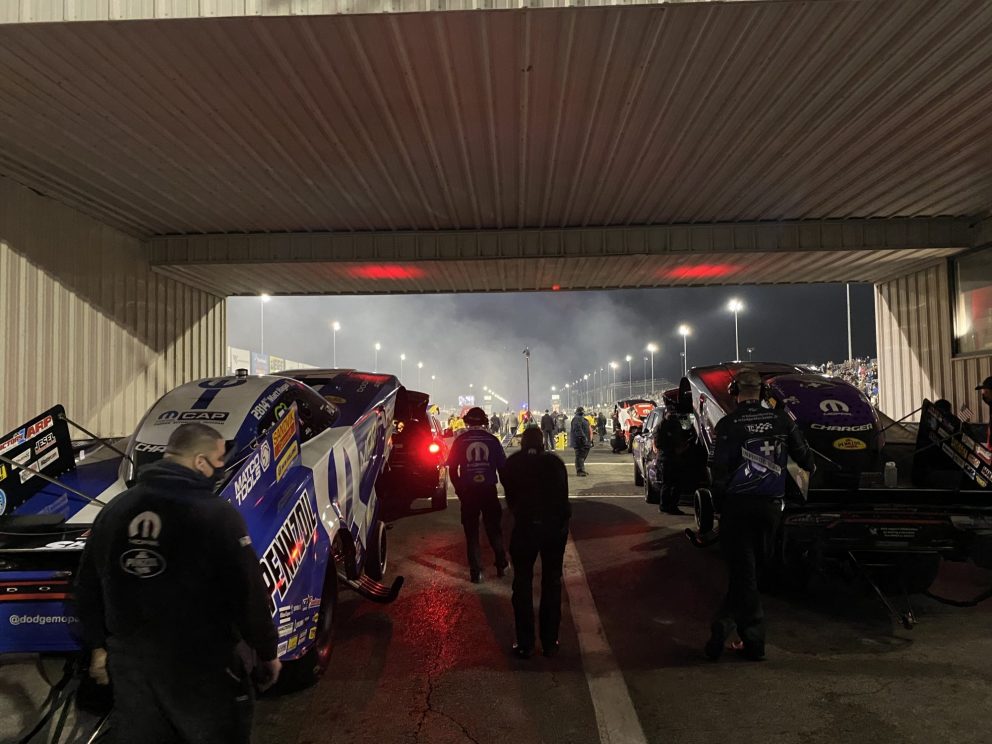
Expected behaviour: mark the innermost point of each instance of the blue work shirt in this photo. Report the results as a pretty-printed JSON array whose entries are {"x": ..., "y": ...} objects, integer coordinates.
[{"x": 476, "y": 457}]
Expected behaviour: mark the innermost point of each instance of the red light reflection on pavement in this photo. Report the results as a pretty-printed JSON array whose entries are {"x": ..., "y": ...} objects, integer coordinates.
[
  {"x": 386, "y": 272},
  {"x": 699, "y": 271}
]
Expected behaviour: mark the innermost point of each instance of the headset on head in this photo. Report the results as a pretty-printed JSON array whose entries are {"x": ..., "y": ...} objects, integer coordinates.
[{"x": 733, "y": 389}]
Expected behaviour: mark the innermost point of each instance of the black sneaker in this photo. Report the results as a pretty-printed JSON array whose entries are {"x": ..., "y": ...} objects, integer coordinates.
[
  {"x": 522, "y": 652},
  {"x": 715, "y": 645},
  {"x": 550, "y": 650}
]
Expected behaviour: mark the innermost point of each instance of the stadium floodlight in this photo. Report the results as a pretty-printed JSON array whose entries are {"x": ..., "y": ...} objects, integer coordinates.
[{"x": 735, "y": 306}]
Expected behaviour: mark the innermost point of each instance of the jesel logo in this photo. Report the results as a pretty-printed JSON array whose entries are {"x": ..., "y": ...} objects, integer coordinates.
[{"x": 281, "y": 561}]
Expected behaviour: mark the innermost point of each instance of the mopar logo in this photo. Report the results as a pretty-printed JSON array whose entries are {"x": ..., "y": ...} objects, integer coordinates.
[
  {"x": 168, "y": 415},
  {"x": 834, "y": 406}
]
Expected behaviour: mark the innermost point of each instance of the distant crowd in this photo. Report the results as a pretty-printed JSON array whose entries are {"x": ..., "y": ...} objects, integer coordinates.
[{"x": 862, "y": 373}]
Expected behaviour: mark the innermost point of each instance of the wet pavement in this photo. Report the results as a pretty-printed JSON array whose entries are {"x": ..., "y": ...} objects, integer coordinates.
[{"x": 434, "y": 667}]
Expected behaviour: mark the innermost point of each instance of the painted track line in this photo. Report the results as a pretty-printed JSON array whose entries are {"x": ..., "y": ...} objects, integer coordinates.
[{"x": 615, "y": 715}]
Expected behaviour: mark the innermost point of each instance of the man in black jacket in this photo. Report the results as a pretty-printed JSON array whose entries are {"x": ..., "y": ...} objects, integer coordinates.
[
  {"x": 580, "y": 439},
  {"x": 536, "y": 485},
  {"x": 170, "y": 594},
  {"x": 753, "y": 446},
  {"x": 548, "y": 429}
]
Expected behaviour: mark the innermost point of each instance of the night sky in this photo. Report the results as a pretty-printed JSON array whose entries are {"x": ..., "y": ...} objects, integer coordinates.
[{"x": 479, "y": 338}]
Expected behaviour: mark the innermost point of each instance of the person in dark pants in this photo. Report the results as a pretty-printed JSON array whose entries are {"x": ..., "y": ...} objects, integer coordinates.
[
  {"x": 536, "y": 485},
  {"x": 580, "y": 440},
  {"x": 681, "y": 461},
  {"x": 753, "y": 446},
  {"x": 494, "y": 424},
  {"x": 475, "y": 462},
  {"x": 548, "y": 429},
  {"x": 170, "y": 596},
  {"x": 601, "y": 426}
]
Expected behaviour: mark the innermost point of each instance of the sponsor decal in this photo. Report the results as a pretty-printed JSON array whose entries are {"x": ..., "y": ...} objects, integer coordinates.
[
  {"x": 248, "y": 478},
  {"x": 3, "y": 471},
  {"x": 281, "y": 649},
  {"x": 144, "y": 529},
  {"x": 185, "y": 417},
  {"x": 3, "y": 502},
  {"x": 44, "y": 443},
  {"x": 67, "y": 545},
  {"x": 831, "y": 427},
  {"x": 285, "y": 630},
  {"x": 983, "y": 454},
  {"x": 286, "y": 461},
  {"x": 313, "y": 634},
  {"x": 981, "y": 481},
  {"x": 155, "y": 449},
  {"x": 36, "y": 429},
  {"x": 974, "y": 461},
  {"x": 849, "y": 444},
  {"x": 969, "y": 471},
  {"x": 282, "y": 435},
  {"x": 16, "y": 439},
  {"x": 834, "y": 407},
  {"x": 986, "y": 471},
  {"x": 266, "y": 455},
  {"x": 42, "y": 620},
  {"x": 968, "y": 441},
  {"x": 143, "y": 563},
  {"x": 281, "y": 561},
  {"x": 293, "y": 643},
  {"x": 265, "y": 403},
  {"x": 759, "y": 428},
  {"x": 45, "y": 460},
  {"x": 959, "y": 448},
  {"x": 244, "y": 541},
  {"x": 22, "y": 459}
]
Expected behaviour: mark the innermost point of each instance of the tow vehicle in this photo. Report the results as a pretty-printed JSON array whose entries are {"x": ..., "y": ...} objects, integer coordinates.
[
  {"x": 936, "y": 505},
  {"x": 303, "y": 460}
]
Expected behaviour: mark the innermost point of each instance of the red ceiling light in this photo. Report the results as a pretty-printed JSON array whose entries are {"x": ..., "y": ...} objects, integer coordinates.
[
  {"x": 386, "y": 272},
  {"x": 699, "y": 271}
]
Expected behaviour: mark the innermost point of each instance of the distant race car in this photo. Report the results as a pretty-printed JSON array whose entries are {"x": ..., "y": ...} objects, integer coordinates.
[
  {"x": 417, "y": 466},
  {"x": 630, "y": 413},
  {"x": 302, "y": 459},
  {"x": 844, "y": 516}
]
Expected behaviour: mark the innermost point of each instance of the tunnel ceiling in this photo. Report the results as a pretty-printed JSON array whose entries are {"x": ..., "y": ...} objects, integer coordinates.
[{"x": 423, "y": 126}]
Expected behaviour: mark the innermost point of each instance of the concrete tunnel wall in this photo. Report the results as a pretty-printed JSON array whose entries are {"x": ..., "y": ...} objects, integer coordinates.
[
  {"x": 85, "y": 322},
  {"x": 914, "y": 323}
]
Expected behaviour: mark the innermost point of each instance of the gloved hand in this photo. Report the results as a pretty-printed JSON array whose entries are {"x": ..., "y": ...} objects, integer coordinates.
[
  {"x": 98, "y": 666},
  {"x": 267, "y": 673}
]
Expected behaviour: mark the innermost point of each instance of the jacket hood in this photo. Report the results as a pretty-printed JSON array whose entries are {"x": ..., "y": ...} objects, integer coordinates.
[{"x": 166, "y": 474}]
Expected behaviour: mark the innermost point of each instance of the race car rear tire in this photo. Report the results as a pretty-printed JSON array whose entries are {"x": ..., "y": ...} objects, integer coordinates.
[
  {"x": 375, "y": 557},
  {"x": 702, "y": 504},
  {"x": 304, "y": 672},
  {"x": 638, "y": 478}
]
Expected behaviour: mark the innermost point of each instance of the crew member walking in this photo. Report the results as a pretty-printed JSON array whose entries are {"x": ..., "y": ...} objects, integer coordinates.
[
  {"x": 601, "y": 426},
  {"x": 580, "y": 440},
  {"x": 548, "y": 429},
  {"x": 536, "y": 485},
  {"x": 170, "y": 596},
  {"x": 475, "y": 462},
  {"x": 753, "y": 446}
]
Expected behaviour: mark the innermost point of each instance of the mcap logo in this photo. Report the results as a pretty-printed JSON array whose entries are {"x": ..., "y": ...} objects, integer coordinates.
[
  {"x": 182, "y": 417},
  {"x": 849, "y": 444},
  {"x": 834, "y": 406}
]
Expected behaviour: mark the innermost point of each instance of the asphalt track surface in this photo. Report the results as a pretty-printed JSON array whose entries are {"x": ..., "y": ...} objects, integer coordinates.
[{"x": 435, "y": 668}]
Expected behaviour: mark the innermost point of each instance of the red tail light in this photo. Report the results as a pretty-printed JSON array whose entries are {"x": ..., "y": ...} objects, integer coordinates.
[{"x": 434, "y": 448}]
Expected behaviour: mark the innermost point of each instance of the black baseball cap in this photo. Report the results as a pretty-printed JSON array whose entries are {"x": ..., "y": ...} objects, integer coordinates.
[{"x": 987, "y": 384}]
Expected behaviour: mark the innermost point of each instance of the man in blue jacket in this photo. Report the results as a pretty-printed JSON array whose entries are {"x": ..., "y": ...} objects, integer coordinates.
[{"x": 475, "y": 463}]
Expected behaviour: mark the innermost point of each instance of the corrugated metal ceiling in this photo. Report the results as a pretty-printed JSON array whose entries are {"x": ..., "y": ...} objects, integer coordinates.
[{"x": 657, "y": 115}]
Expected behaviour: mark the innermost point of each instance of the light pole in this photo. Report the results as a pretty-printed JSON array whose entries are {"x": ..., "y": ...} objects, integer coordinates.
[
  {"x": 420, "y": 366},
  {"x": 850, "y": 350},
  {"x": 568, "y": 396},
  {"x": 630, "y": 378},
  {"x": 335, "y": 327},
  {"x": 433, "y": 377},
  {"x": 613, "y": 366},
  {"x": 735, "y": 306},
  {"x": 375, "y": 366},
  {"x": 402, "y": 359},
  {"x": 586, "y": 398},
  {"x": 262, "y": 299},
  {"x": 652, "y": 348},
  {"x": 684, "y": 332},
  {"x": 527, "y": 355},
  {"x": 749, "y": 350},
  {"x": 553, "y": 389}
]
